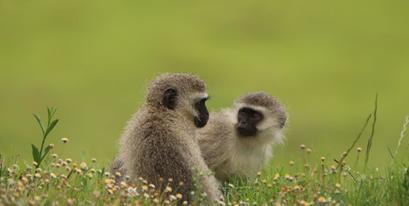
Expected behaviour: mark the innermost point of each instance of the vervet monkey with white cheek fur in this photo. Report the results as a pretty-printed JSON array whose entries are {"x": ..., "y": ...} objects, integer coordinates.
[{"x": 239, "y": 141}]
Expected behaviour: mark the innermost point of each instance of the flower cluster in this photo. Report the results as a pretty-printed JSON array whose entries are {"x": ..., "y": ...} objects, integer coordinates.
[{"x": 64, "y": 181}]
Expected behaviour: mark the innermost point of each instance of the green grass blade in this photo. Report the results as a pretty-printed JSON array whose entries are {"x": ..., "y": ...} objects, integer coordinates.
[
  {"x": 390, "y": 153},
  {"x": 50, "y": 112},
  {"x": 39, "y": 123},
  {"x": 356, "y": 140},
  {"x": 370, "y": 140},
  {"x": 36, "y": 154},
  {"x": 1, "y": 166},
  {"x": 51, "y": 127},
  {"x": 46, "y": 150},
  {"x": 48, "y": 116},
  {"x": 406, "y": 180},
  {"x": 402, "y": 134}
]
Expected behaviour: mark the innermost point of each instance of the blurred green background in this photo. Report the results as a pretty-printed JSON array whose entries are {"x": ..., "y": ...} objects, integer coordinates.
[{"x": 325, "y": 60}]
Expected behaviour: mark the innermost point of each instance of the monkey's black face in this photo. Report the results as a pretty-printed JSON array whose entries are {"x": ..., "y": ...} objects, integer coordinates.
[
  {"x": 203, "y": 114},
  {"x": 247, "y": 120}
]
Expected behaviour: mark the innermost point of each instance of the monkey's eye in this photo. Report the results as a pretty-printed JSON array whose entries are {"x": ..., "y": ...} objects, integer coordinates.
[
  {"x": 255, "y": 115},
  {"x": 251, "y": 114}
]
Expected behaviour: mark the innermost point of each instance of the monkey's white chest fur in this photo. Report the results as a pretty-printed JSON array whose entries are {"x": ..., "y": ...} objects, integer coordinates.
[{"x": 247, "y": 160}]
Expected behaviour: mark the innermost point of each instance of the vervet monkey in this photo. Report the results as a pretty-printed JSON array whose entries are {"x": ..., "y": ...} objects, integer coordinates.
[{"x": 238, "y": 141}]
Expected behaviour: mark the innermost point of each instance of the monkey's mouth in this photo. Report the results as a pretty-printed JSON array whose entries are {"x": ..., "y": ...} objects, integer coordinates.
[
  {"x": 246, "y": 131},
  {"x": 200, "y": 122}
]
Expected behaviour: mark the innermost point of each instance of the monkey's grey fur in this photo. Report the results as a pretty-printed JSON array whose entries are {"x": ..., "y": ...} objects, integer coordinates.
[
  {"x": 228, "y": 154},
  {"x": 160, "y": 143}
]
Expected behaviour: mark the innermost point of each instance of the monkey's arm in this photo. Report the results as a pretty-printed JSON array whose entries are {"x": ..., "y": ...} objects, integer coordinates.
[
  {"x": 209, "y": 182},
  {"x": 167, "y": 162}
]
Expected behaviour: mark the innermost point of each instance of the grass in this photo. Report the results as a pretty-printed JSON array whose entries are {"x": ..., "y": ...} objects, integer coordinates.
[
  {"x": 308, "y": 180},
  {"x": 370, "y": 140}
]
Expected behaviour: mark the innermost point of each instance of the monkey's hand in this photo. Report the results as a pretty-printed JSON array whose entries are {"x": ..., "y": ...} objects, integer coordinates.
[
  {"x": 213, "y": 191},
  {"x": 220, "y": 201}
]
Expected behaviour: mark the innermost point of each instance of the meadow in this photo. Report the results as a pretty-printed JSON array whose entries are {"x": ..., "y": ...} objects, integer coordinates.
[
  {"x": 54, "y": 180},
  {"x": 325, "y": 61}
]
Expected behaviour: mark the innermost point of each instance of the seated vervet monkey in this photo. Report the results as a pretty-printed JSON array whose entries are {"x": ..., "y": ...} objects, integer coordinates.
[
  {"x": 160, "y": 144},
  {"x": 238, "y": 141}
]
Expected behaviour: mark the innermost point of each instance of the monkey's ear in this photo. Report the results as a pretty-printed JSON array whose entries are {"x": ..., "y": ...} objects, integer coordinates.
[{"x": 169, "y": 98}]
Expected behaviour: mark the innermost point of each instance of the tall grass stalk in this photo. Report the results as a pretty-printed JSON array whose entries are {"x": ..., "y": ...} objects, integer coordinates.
[
  {"x": 370, "y": 140},
  {"x": 402, "y": 134},
  {"x": 344, "y": 156}
]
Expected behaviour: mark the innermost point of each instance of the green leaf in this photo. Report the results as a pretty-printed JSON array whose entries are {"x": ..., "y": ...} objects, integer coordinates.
[
  {"x": 51, "y": 111},
  {"x": 36, "y": 154},
  {"x": 390, "y": 153},
  {"x": 51, "y": 127},
  {"x": 46, "y": 150},
  {"x": 370, "y": 140},
  {"x": 49, "y": 116},
  {"x": 406, "y": 180},
  {"x": 39, "y": 123},
  {"x": 102, "y": 173}
]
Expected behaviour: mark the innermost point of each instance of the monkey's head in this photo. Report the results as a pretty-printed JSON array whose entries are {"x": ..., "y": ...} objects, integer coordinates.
[
  {"x": 258, "y": 113},
  {"x": 181, "y": 93}
]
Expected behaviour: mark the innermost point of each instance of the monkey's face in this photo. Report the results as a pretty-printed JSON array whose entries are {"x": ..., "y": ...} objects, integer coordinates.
[
  {"x": 247, "y": 121},
  {"x": 254, "y": 120},
  {"x": 260, "y": 116},
  {"x": 192, "y": 106}
]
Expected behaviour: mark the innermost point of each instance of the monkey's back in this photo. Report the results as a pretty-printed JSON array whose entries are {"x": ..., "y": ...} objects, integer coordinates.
[{"x": 153, "y": 151}]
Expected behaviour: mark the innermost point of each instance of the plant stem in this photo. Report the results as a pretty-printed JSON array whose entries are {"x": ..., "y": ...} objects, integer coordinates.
[
  {"x": 370, "y": 140},
  {"x": 344, "y": 156}
]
